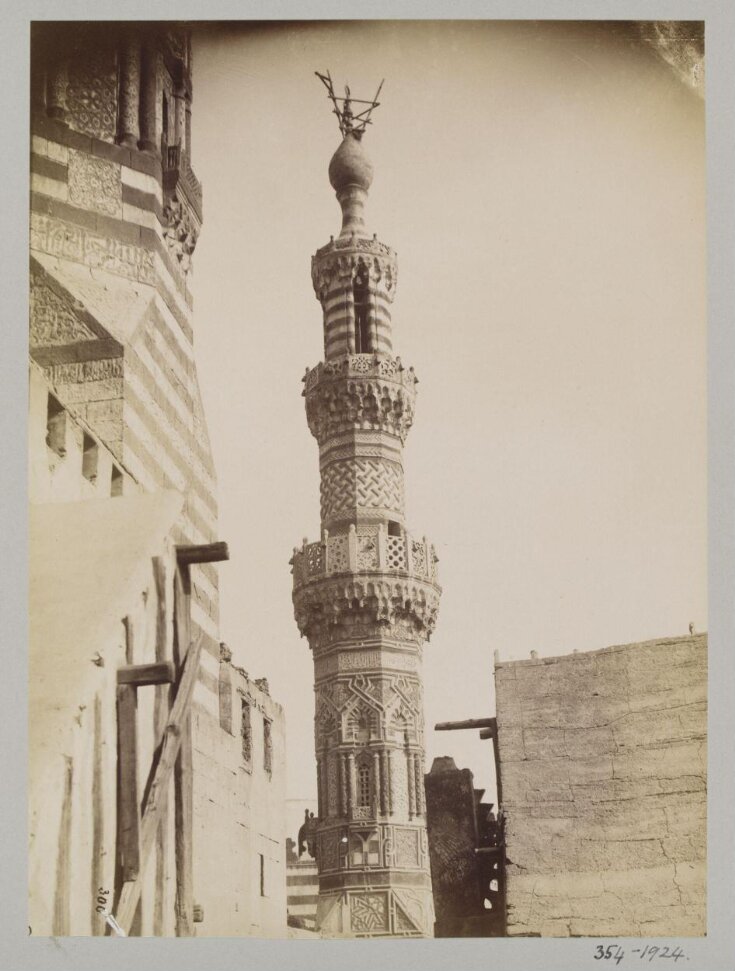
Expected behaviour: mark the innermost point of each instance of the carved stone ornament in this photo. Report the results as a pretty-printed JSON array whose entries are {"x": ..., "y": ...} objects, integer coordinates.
[
  {"x": 181, "y": 231},
  {"x": 334, "y": 268},
  {"x": 322, "y": 604},
  {"x": 336, "y": 405}
]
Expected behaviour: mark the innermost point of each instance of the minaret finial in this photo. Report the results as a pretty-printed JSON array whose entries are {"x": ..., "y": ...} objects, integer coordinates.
[{"x": 349, "y": 123}]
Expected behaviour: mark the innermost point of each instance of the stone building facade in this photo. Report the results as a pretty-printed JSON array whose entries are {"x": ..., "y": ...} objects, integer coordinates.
[
  {"x": 366, "y": 594},
  {"x": 116, "y": 414},
  {"x": 603, "y": 781}
]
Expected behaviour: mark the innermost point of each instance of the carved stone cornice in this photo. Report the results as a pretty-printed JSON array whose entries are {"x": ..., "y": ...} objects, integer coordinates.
[
  {"x": 336, "y": 264},
  {"x": 368, "y": 391},
  {"x": 372, "y": 598}
]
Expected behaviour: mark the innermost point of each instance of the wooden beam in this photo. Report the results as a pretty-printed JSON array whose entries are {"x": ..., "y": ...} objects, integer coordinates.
[
  {"x": 184, "y": 813},
  {"x": 487, "y": 733},
  {"x": 161, "y": 672},
  {"x": 468, "y": 723},
  {"x": 202, "y": 553},
  {"x": 158, "y": 787},
  {"x": 128, "y": 805}
]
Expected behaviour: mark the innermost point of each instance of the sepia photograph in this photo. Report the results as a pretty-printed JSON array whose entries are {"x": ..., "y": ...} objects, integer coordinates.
[{"x": 368, "y": 481}]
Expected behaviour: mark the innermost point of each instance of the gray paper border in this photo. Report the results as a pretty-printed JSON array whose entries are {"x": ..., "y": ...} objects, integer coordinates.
[{"x": 17, "y": 950}]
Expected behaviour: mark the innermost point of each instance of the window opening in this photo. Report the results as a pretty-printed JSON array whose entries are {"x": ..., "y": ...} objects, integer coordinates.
[
  {"x": 361, "y": 300},
  {"x": 90, "y": 458},
  {"x": 246, "y": 733},
  {"x": 56, "y": 426},
  {"x": 116, "y": 482},
  {"x": 363, "y": 786}
]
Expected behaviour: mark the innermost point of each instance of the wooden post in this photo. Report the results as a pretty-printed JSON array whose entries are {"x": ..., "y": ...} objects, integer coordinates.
[
  {"x": 161, "y": 707},
  {"x": 183, "y": 793},
  {"x": 128, "y": 818},
  {"x": 184, "y": 826}
]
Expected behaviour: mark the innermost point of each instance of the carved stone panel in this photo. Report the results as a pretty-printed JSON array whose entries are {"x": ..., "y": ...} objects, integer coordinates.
[
  {"x": 52, "y": 319},
  {"x": 406, "y": 843},
  {"x": 369, "y": 912},
  {"x": 361, "y": 484},
  {"x": 95, "y": 183}
]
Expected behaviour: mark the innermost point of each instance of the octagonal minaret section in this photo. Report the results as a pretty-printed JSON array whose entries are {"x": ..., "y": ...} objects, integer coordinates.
[{"x": 366, "y": 594}]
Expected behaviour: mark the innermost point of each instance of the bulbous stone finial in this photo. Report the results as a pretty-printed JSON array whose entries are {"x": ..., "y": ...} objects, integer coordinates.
[
  {"x": 351, "y": 175},
  {"x": 350, "y": 165}
]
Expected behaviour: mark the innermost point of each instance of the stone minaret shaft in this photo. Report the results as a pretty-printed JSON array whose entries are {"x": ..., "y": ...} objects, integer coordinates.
[{"x": 366, "y": 595}]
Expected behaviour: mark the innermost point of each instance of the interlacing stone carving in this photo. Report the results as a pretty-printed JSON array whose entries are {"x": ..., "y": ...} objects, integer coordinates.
[
  {"x": 361, "y": 483},
  {"x": 368, "y": 912},
  {"x": 91, "y": 94}
]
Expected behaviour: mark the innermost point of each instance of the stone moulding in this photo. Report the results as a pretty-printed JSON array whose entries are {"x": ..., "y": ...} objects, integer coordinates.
[
  {"x": 323, "y": 603},
  {"x": 371, "y": 392}
]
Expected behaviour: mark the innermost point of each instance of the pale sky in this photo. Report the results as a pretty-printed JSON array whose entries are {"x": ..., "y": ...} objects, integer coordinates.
[{"x": 544, "y": 187}]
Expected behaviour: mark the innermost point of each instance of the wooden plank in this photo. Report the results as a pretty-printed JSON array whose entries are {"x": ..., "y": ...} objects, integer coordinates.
[
  {"x": 160, "y": 672},
  {"x": 202, "y": 553},
  {"x": 184, "y": 811},
  {"x": 62, "y": 897},
  {"x": 128, "y": 811},
  {"x": 158, "y": 787},
  {"x": 182, "y": 614},
  {"x": 129, "y": 640},
  {"x": 468, "y": 723},
  {"x": 161, "y": 707}
]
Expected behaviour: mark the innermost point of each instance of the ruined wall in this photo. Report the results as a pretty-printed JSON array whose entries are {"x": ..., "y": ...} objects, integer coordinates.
[
  {"x": 603, "y": 767},
  {"x": 240, "y": 811},
  {"x": 91, "y": 565}
]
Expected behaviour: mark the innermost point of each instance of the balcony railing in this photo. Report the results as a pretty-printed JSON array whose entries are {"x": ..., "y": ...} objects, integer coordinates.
[
  {"x": 178, "y": 174},
  {"x": 361, "y": 365},
  {"x": 365, "y": 549}
]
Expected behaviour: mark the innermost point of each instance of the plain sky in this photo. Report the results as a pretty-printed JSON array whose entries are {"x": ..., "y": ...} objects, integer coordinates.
[{"x": 544, "y": 187}]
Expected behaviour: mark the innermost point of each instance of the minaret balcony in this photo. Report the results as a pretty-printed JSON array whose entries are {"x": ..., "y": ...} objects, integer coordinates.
[
  {"x": 365, "y": 549},
  {"x": 364, "y": 391}
]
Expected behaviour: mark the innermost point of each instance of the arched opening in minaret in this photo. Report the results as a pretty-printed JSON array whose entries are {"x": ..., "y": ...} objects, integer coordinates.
[{"x": 361, "y": 303}]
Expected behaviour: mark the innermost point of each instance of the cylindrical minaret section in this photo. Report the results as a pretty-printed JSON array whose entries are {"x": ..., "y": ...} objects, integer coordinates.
[{"x": 366, "y": 595}]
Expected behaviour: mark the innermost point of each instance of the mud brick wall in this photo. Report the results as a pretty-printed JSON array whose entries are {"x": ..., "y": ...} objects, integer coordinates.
[{"x": 603, "y": 767}]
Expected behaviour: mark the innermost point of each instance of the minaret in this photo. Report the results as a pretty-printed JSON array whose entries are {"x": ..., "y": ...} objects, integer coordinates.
[{"x": 365, "y": 595}]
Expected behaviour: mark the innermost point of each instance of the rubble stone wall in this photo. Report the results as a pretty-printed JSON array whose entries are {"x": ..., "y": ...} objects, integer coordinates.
[{"x": 603, "y": 771}]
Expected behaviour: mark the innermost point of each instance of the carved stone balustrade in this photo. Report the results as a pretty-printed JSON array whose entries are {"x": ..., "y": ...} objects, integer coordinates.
[
  {"x": 373, "y": 392},
  {"x": 369, "y": 571},
  {"x": 365, "y": 549}
]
